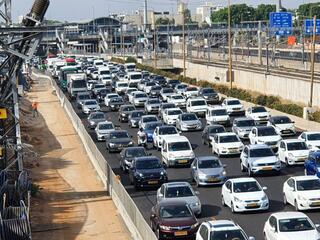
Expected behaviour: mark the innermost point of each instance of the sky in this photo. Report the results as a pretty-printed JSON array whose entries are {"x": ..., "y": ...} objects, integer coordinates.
[{"x": 73, "y": 10}]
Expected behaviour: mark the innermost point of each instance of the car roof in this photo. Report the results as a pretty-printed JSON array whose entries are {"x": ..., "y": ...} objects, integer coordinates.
[
  {"x": 170, "y": 202},
  {"x": 173, "y": 109},
  {"x": 204, "y": 158},
  {"x": 286, "y": 215},
  {"x": 170, "y": 139},
  {"x": 216, "y": 107},
  {"x": 146, "y": 158},
  {"x": 243, "y": 119},
  {"x": 293, "y": 140},
  {"x": 278, "y": 117},
  {"x": 196, "y": 99},
  {"x": 257, "y": 146},
  {"x": 243, "y": 179},
  {"x": 177, "y": 184},
  {"x": 311, "y": 132},
  {"x": 308, "y": 177},
  {"x": 228, "y": 99},
  {"x": 134, "y": 148},
  {"x": 104, "y": 122},
  {"x": 226, "y": 134},
  {"x": 263, "y": 127},
  {"x": 221, "y": 225}
]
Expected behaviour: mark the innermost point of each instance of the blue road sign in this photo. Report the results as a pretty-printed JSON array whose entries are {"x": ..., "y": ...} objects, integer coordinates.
[
  {"x": 308, "y": 26},
  {"x": 281, "y": 23}
]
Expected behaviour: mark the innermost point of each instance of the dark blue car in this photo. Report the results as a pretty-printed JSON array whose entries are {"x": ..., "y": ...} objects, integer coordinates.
[
  {"x": 149, "y": 129},
  {"x": 312, "y": 165}
]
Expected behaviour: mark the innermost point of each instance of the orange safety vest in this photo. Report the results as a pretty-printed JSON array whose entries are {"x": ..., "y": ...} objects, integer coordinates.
[{"x": 34, "y": 105}]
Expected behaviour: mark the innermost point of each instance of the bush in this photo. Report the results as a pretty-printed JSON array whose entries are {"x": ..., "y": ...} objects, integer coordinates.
[
  {"x": 315, "y": 116},
  {"x": 131, "y": 60}
]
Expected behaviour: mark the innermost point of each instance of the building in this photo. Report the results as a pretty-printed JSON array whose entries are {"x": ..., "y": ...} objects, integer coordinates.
[{"x": 205, "y": 11}]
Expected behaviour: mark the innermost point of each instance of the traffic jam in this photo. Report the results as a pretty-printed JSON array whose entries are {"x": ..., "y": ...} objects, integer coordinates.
[{"x": 199, "y": 166}]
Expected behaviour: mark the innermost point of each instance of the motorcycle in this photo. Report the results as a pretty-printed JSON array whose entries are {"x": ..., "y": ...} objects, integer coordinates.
[{"x": 142, "y": 140}]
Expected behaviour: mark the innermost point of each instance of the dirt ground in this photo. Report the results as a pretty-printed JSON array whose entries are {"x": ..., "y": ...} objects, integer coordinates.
[{"x": 72, "y": 203}]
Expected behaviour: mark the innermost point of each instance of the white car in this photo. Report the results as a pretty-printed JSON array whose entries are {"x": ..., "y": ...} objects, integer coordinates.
[
  {"x": 180, "y": 88},
  {"x": 258, "y": 113},
  {"x": 244, "y": 195},
  {"x": 147, "y": 87},
  {"x": 121, "y": 87},
  {"x": 217, "y": 115},
  {"x": 152, "y": 105},
  {"x": 102, "y": 129},
  {"x": 90, "y": 106},
  {"x": 191, "y": 92},
  {"x": 165, "y": 92},
  {"x": 177, "y": 99},
  {"x": 265, "y": 135},
  {"x": 197, "y": 105},
  {"x": 139, "y": 99},
  {"x": 259, "y": 158},
  {"x": 106, "y": 80},
  {"x": 233, "y": 106},
  {"x": 129, "y": 93},
  {"x": 290, "y": 225},
  {"x": 312, "y": 140},
  {"x": 221, "y": 228},
  {"x": 108, "y": 97},
  {"x": 147, "y": 119},
  {"x": 283, "y": 125},
  {"x": 170, "y": 115},
  {"x": 226, "y": 144},
  {"x": 163, "y": 131},
  {"x": 293, "y": 151},
  {"x": 302, "y": 192}
]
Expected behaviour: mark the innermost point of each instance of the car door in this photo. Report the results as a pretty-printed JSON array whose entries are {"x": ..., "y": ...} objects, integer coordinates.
[
  {"x": 244, "y": 157},
  {"x": 248, "y": 113},
  {"x": 282, "y": 151},
  {"x": 194, "y": 169},
  {"x": 272, "y": 229},
  {"x": 215, "y": 143},
  {"x": 155, "y": 136},
  {"x": 203, "y": 233},
  {"x": 131, "y": 172},
  {"x": 290, "y": 191},
  {"x": 252, "y": 135},
  {"x": 164, "y": 152},
  {"x": 226, "y": 192},
  {"x": 161, "y": 193},
  {"x": 208, "y": 115},
  {"x": 312, "y": 167}
]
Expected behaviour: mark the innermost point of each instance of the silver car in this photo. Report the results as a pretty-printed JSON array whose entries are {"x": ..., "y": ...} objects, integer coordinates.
[
  {"x": 188, "y": 122},
  {"x": 81, "y": 97},
  {"x": 147, "y": 119},
  {"x": 90, "y": 106},
  {"x": 102, "y": 129},
  {"x": 208, "y": 170},
  {"x": 243, "y": 126},
  {"x": 94, "y": 118},
  {"x": 180, "y": 191},
  {"x": 152, "y": 105}
]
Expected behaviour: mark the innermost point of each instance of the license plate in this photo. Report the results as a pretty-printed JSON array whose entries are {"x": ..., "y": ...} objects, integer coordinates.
[
  {"x": 152, "y": 182},
  {"x": 181, "y": 233},
  {"x": 213, "y": 180},
  {"x": 253, "y": 205},
  {"x": 267, "y": 168},
  {"x": 183, "y": 161},
  {"x": 233, "y": 151}
]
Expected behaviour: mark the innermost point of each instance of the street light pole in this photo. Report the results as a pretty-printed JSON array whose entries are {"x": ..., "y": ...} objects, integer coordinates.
[
  {"x": 313, "y": 58},
  {"x": 184, "y": 43},
  {"x": 230, "y": 46}
]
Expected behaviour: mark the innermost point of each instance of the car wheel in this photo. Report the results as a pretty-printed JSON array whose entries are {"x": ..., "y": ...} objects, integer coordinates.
[
  {"x": 287, "y": 162},
  {"x": 232, "y": 208},
  {"x": 296, "y": 207},
  {"x": 284, "y": 199},
  {"x": 222, "y": 201}
]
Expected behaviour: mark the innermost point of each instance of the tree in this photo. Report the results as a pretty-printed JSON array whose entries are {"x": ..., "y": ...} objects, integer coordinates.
[
  {"x": 162, "y": 21},
  {"x": 239, "y": 12},
  {"x": 309, "y": 10},
  {"x": 263, "y": 11}
]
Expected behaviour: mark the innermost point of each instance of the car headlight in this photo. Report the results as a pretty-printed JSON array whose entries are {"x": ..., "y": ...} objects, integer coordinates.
[
  {"x": 278, "y": 163},
  {"x": 224, "y": 173},
  {"x": 254, "y": 164},
  {"x": 195, "y": 204},
  {"x": 290, "y": 155},
  {"x": 140, "y": 175},
  {"x": 194, "y": 225},
  {"x": 201, "y": 175},
  {"x": 111, "y": 105},
  {"x": 163, "y": 173},
  {"x": 123, "y": 114},
  {"x": 112, "y": 145},
  {"x": 237, "y": 199},
  {"x": 264, "y": 198},
  {"x": 167, "y": 228},
  {"x": 91, "y": 122},
  {"x": 223, "y": 148},
  {"x": 192, "y": 155},
  {"x": 302, "y": 198},
  {"x": 131, "y": 143}
]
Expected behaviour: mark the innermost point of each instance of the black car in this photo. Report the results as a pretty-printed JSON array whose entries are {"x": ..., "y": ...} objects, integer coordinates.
[
  {"x": 210, "y": 95},
  {"x": 102, "y": 93},
  {"x": 172, "y": 83},
  {"x": 127, "y": 155},
  {"x": 147, "y": 172},
  {"x": 124, "y": 112},
  {"x": 115, "y": 103},
  {"x": 134, "y": 118},
  {"x": 155, "y": 91},
  {"x": 117, "y": 140},
  {"x": 160, "y": 80},
  {"x": 210, "y": 131}
]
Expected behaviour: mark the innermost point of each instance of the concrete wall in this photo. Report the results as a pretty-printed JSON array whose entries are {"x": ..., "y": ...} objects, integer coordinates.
[{"x": 292, "y": 89}]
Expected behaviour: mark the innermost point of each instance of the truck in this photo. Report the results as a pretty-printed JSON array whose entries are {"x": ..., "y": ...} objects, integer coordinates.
[
  {"x": 104, "y": 75},
  {"x": 76, "y": 82},
  {"x": 130, "y": 67},
  {"x": 56, "y": 67},
  {"x": 64, "y": 72}
]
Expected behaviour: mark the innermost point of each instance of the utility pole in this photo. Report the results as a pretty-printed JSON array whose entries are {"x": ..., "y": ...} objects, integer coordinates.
[
  {"x": 154, "y": 42},
  {"x": 313, "y": 58},
  {"x": 145, "y": 16},
  {"x": 184, "y": 41},
  {"x": 260, "y": 43},
  {"x": 230, "y": 46}
]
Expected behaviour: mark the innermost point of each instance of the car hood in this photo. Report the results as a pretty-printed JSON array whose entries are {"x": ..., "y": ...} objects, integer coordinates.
[
  {"x": 97, "y": 120},
  {"x": 181, "y": 154},
  {"x": 203, "y": 107},
  {"x": 151, "y": 171},
  {"x": 262, "y": 114},
  {"x": 172, "y": 116},
  {"x": 177, "y": 222},
  {"x": 105, "y": 131},
  {"x": 245, "y": 196},
  {"x": 90, "y": 106},
  {"x": 210, "y": 95},
  {"x": 188, "y": 200},
  {"x": 274, "y": 138},
  {"x": 314, "y": 143},
  {"x": 141, "y": 99},
  {"x": 310, "y": 194},
  {"x": 217, "y": 118},
  {"x": 136, "y": 118},
  {"x": 244, "y": 128},
  {"x": 303, "y": 235},
  {"x": 234, "y": 106},
  {"x": 211, "y": 171},
  {"x": 120, "y": 140},
  {"x": 154, "y": 105},
  {"x": 149, "y": 131},
  {"x": 231, "y": 145},
  {"x": 193, "y": 122},
  {"x": 177, "y": 100},
  {"x": 299, "y": 153},
  {"x": 261, "y": 160},
  {"x": 284, "y": 126}
]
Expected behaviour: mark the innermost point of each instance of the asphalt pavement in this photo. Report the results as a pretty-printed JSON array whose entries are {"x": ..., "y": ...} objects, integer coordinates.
[{"x": 210, "y": 197}]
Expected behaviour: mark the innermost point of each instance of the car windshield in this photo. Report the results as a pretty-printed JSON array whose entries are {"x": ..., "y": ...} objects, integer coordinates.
[
  {"x": 116, "y": 100},
  {"x": 189, "y": 117},
  {"x": 212, "y": 163},
  {"x": 168, "y": 105},
  {"x": 97, "y": 116},
  {"x": 228, "y": 235},
  {"x": 156, "y": 88},
  {"x": 150, "y": 119},
  {"x": 214, "y": 130},
  {"x": 282, "y": 120},
  {"x": 234, "y": 102},
  {"x": 192, "y": 89},
  {"x": 152, "y": 126},
  {"x": 117, "y": 135},
  {"x": 179, "y": 146},
  {"x": 241, "y": 187},
  {"x": 148, "y": 164},
  {"x": 296, "y": 146},
  {"x": 167, "y": 131},
  {"x": 174, "y": 112},
  {"x": 267, "y": 132},
  {"x": 175, "y": 211},
  {"x": 122, "y": 84},
  {"x": 208, "y": 90},
  {"x": 220, "y": 112},
  {"x": 173, "y": 81},
  {"x": 314, "y": 137},
  {"x": 99, "y": 86},
  {"x": 84, "y": 97},
  {"x": 137, "y": 114},
  {"x": 112, "y": 96},
  {"x": 136, "y": 152},
  {"x": 198, "y": 103},
  {"x": 295, "y": 225},
  {"x": 246, "y": 123},
  {"x": 106, "y": 126},
  {"x": 179, "y": 191},
  {"x": 141, "y": 95},
  {"x": 154, "y": 101},
  {"x": 307, "y": 185},
  {"x": 136, "y": 76},
  {"x": 261, "y": 152},
  {"x": 149, "y": 84},
  {"x": 258, "y": 109},
  {"x": 90, "y": 103},
  {"x": 79, "y": 84},
  {"x": 229, "y": 139},
  {"x": 182, "y": 86},
  {"x": 177, "y": 97},
  {"x": 128, "y": 109},
  {"x": 168, "y": 90}
]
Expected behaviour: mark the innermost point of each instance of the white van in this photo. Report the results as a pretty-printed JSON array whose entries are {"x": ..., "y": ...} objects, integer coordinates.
[
  {"x": 104, "y": 75},
  {"x": 98, "y": 63},
  {"x": 133, "y": 78},
  {"x": 176, "y": 151},
  {"x": 130, "y": 67}
]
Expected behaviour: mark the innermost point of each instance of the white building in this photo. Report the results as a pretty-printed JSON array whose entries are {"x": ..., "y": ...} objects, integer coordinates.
[{"x": 205, "y": 11}]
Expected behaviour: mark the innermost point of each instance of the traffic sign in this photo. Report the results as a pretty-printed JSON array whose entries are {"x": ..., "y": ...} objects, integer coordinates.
[
  {"x": 308, "y": 26},
  {"x": 281, "y": 23},
  {"x": 3, "y": 113}
]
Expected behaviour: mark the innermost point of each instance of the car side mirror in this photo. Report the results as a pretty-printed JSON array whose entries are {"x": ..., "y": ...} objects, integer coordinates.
[
  {"x": 224, "y": 166},
  {"x": 251, "y": 238},
  {"x": 153, "y": 215},
  {"x": 160, "y": 195},
  {"x": 317, "y": 225},
  {"x": 292, "y": 121},
  {"x": 264, "y": 188},
  {"x": 196, "y": 192},
  {"x": 194, "y": 167},
  {"x": 273, "y": 229}
]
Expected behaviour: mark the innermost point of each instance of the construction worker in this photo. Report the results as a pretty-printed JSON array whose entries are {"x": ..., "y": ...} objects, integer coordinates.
[{"x": 35, "y": 108}]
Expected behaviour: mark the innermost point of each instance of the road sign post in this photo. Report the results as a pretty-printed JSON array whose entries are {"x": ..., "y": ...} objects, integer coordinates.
[{"x": 281, "y": 23}]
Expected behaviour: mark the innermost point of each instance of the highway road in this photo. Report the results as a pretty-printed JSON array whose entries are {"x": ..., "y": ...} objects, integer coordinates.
[{"x": 210, "y": 196}]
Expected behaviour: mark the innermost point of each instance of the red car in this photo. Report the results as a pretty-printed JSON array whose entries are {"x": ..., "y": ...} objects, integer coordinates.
[{"x": 173, "y": 219}]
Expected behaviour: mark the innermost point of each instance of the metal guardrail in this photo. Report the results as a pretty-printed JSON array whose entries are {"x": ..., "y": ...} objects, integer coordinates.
[{"x": 134, "y": 220}]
